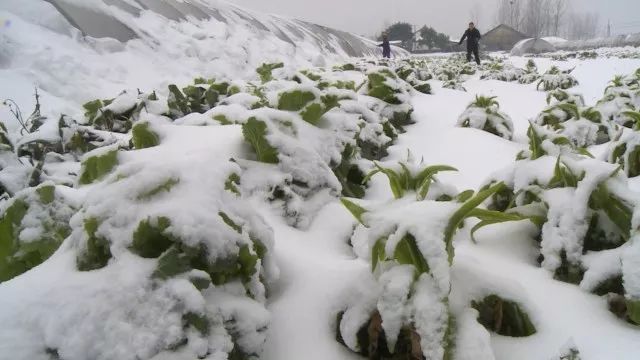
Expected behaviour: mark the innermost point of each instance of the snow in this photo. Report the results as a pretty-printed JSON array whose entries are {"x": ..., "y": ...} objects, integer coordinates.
[{"x": 287, "y": 309}]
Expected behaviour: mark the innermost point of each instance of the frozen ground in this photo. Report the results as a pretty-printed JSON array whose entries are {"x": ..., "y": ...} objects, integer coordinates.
[{"x": 317, "y": 264}]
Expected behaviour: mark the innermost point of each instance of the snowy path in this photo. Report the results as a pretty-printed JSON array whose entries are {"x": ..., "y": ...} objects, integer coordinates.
[{"x": 315, "y": 266}]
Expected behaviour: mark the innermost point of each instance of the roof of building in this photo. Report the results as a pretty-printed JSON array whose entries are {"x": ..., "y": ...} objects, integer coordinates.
[{"x": 507, "y": 27}]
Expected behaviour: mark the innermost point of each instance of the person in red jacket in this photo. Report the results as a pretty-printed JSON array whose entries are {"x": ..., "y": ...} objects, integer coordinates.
[{"x": 473, "y": 37}]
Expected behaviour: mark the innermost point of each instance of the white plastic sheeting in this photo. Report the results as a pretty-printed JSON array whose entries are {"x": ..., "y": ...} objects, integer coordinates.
[
  {"x": 117, "y": 19},
  {"x": 532, "y": 46}
]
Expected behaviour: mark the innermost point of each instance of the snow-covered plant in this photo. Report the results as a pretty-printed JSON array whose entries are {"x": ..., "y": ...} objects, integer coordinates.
[
  {"x": 199, "y": 97},
  {"x": 484, "y": 114},
  {"x": 626, "y": 153},
  {"x": 404, "y": 310},
  {"x": 407, "y": 177},
  {"x": 621, "y": 100},
  {"x": 568, "y": 116},
  {"x": 32, "y": 157},
  {"x": 454, "y": 85},
  {"x": 265, "y": 71},
  {"x": 543, "y": 142},
  {"x": 385, "y": 85},
  {"x": 581, "y": 205},
  {"x": 33, "y": 224},
  {"x": 118, "y": 114},
  {"x": 530, "y": 73},
  {"x": 308, "y": 102},
  {"x": 569, "y": 352},
  {"x": 503, "y": 72},
  {"x": 199, "y": 260},
  {"x": 415, "y": 76},
  {"x": 554, "y": 78}
]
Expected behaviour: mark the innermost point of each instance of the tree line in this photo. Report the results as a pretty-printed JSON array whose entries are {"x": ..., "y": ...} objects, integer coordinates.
[
  {"x": 426, "y": 36},
  {"x": 538, "y": 18}
]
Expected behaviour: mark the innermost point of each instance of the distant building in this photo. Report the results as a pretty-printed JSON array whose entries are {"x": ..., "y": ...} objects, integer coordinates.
[{"x": 501, "y": 38}]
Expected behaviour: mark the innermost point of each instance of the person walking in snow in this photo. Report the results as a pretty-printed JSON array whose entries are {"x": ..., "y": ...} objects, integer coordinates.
[
  {"x": 473, "y": 36},
  {"x": 386, "y": 47}
]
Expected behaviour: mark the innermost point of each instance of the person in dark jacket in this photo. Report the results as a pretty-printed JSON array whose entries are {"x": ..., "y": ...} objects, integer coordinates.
[
  {"x": 473, "y": 36},
  {"x": 386, "y": 47}
]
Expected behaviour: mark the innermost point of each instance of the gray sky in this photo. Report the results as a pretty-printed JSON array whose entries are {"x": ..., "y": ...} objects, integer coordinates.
[{"x": 368, "y": 17}]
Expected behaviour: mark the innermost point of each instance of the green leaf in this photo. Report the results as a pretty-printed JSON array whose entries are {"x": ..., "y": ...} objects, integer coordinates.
[
  {"x": 91, "y": 109},
  {"x": 172, "y": 262},
  {"x": 46, "y": 194},
  {"x": 150, "y": 239},
  {"x": 378, "y": 253},
  {"x": 395, "y": 181},
  {"x": 177, "y": 103},
  {"x": 633, "y": 311},
  {"x": 164, "y": 187},
  {"x": 265, "y": 71},
  {"x": 425, "y": 178},
  {"x": 95, "y": 167},
  {"x": 97, "y": 253},
  {"x": 247, "y": 262},
  {"x": 227, "y": 220},
  {"x": 356, "y": 210},
  {"x": 143, "y": 137},
  {"x": 255, "y": 132},
  {"x": 465, "y": 195},
  {"x": 313, "y": 113},
  {"x": 232, "y": 182},
  {"x": 490, "y": 217},
  {"x": 463, "y": 212},
  {"x": 199, "y": 322},
  {"x": 295, "y": 100},
  {"x": 408, "y": 253}
]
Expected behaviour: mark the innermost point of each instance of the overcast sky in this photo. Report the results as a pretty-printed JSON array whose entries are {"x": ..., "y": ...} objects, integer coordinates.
[{"x": 367, "y": 17}]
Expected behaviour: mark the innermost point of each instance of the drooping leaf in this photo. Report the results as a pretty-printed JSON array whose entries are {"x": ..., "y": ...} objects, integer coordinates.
[
  {"x": 356, "y": 210},
  {"x": 255, "y": 132}
]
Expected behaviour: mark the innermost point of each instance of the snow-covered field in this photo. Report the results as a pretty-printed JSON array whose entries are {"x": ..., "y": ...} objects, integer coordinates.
[{"x": 206, "y": 221}]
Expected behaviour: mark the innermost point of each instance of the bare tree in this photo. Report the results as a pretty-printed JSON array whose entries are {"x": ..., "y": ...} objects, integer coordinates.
[
  {"x": 475, "y": 13},
  {"x": 583, "y": 26},
  {"x": 558, "y": 9},
  {"x": 536, "y": 19},
  {"x": 509, "y": 13}
]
